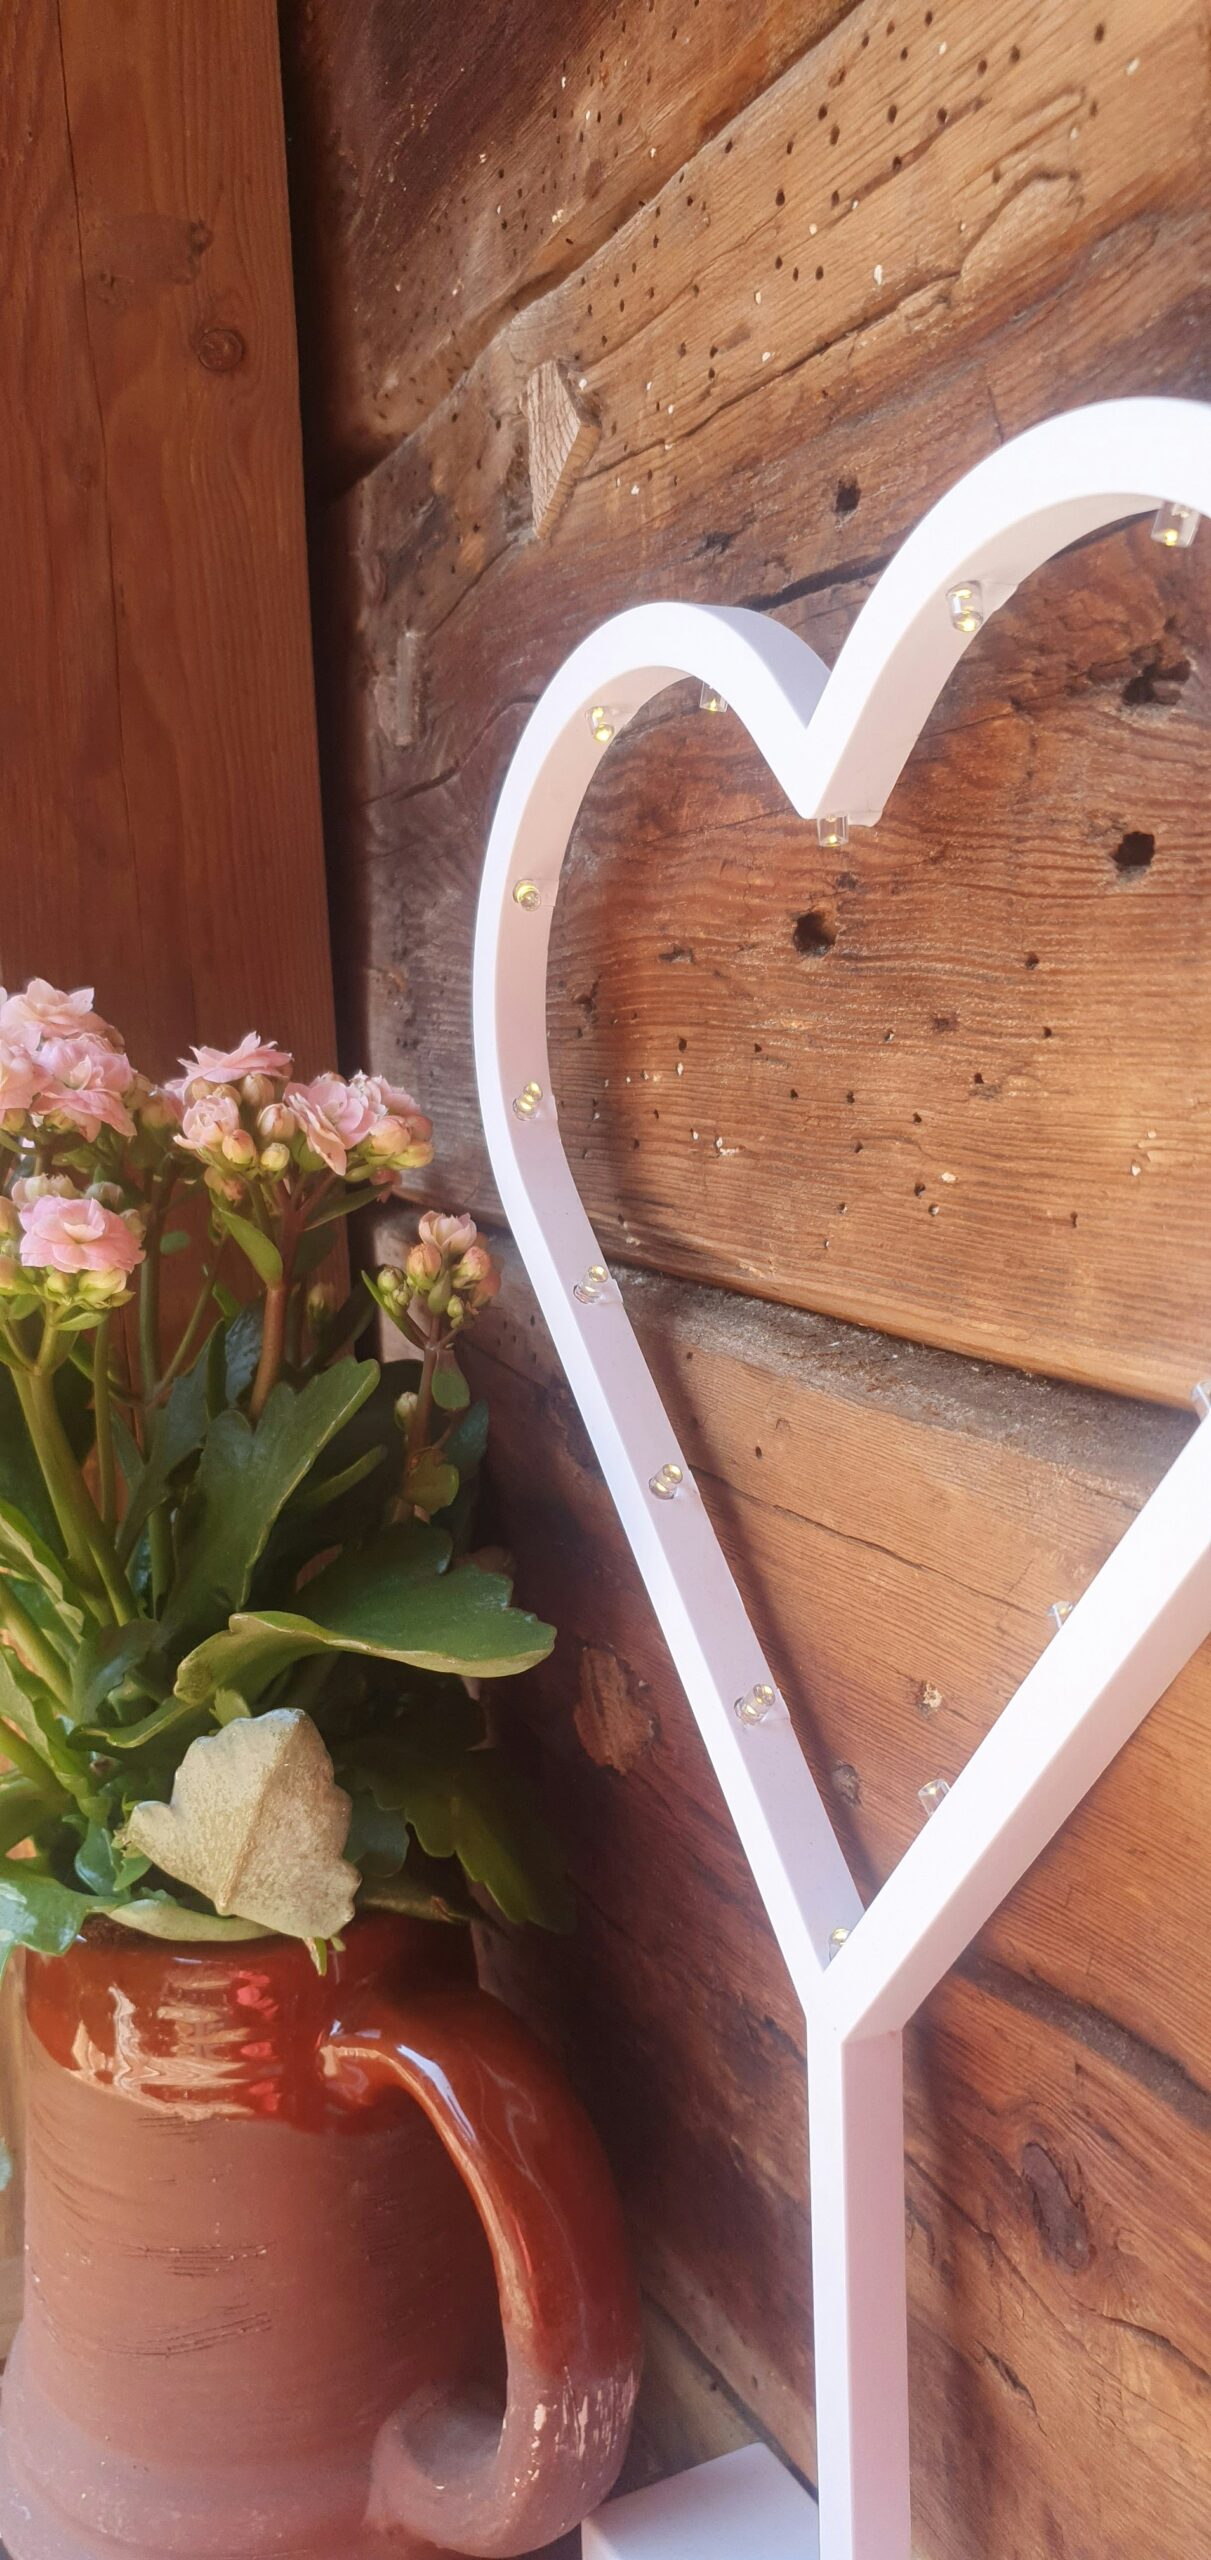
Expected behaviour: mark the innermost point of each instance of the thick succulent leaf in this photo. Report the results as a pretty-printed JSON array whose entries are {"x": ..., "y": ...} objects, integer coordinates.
[
  {"x": 466, "y": 1440},
  {"x": 157, "y": 1915},
  {"x": 104, "y": 1866},
  {"x": 23, "y": 1807},
  {"x": 471, "y": 1805},
  {"x": 378, "y": 1839},
  {"x": 257, "y": 1823},
  {"x": 459, "y": 1623},
  {"x": 245, "y": 1475},
  {"x": 30, "y": 1710},
  {"x": 182, "y": 1422},
  {"x": 250, "y": 1652},
  {"x": 37, "y": 1912},
  {"x": 425, "y": 1891},
  {"x": 103, "y": 1664}
]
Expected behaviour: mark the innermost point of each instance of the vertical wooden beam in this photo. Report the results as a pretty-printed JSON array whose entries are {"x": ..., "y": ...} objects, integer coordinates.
[{"x": 160, "y": 808}]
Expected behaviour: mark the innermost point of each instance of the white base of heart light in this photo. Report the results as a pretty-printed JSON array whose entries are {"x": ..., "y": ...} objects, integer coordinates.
[
  {"x": 836, "y": 743},
  {"x": 743, "y": 2507}
]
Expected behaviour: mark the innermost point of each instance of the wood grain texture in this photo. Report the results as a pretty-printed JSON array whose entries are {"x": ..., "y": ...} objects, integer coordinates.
[
  {"x": 442, "y": 184},
  {"x": 912, "y": 236},
  {"x": 161, "y": 811},
  {"x": 1032, "y": 907},
  {"x": 900, "y": 1522}
]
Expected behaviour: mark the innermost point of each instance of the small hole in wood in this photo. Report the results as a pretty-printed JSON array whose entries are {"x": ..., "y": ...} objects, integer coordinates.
[
  {"x": 847, "y": 497},
  {"x": 815, "y": 933},
  {"x": 1135, "y": 851}
]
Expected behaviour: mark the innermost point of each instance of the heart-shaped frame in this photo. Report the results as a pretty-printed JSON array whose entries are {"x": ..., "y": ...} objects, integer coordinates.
[{"x": 836, "y": 743}]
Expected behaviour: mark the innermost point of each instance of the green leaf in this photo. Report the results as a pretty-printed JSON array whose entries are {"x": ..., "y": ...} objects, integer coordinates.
[
  {"x": 180, "y": 1426},
  {"x": 160, "y": 1915},
  {"x": 105, "y": 1867},
  {"x": 172, "y": 1717},
  {"x": 472, "y": 1806},
  {"x": 424, "y": 1890},
  {"x": 245, "y": 1475},
  {"x": 22, "y": 1808},
  {"x": 323, "y": 1490},
  {"x": 175, "y": 1240},
  {"x": 30, "y": 1710},
  {"x": 460, "y": 1622},
  {"x": 467, "y": 1439},
  {"x": 25, "y": 1559},
  {"x": 37, "y": 1912},
  {"x": 249, "y": 1653},
  {"x": 103, "y": 1663},
  {"x": 377, "y": 1844},
  {"x": 260, "y": 1249},
  {"x": 450, "y": 1390},
  {"x": 430, "y": 1483},
  {"x": 227, "y": 1706}
]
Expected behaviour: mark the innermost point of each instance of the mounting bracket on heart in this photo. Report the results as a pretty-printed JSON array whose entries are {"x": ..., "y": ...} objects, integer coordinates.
[{"x": 837, "y": 743}]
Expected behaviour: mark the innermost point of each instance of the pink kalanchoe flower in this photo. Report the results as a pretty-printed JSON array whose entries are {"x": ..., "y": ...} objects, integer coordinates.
[
  {"x": 333, "y": 1117},
  {"x": 207, "y": 1122},
  {"x": 83, "y": 1084},
  {"x": 18, "y": 1083},
  {"x": 452, "y": 1234},
  {"x": 254, "y": 1057},
  {"x": 42, "y": 1012},
  {"x": 76, "y": 1235}
]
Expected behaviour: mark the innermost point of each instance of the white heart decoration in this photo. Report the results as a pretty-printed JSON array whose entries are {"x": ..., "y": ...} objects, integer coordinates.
[{"x": 837, "y": 744}]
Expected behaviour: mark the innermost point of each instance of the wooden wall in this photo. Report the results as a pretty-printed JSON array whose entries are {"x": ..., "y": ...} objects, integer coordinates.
[{"x": 868, "y": 1136}]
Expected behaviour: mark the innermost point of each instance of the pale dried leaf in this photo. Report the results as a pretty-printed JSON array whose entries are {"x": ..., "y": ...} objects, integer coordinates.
[{"x": 257, "y": 1822}]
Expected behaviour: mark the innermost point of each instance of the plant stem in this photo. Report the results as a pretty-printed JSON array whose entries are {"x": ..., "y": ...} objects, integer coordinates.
[
  {"x": 422, "y": 1417},
  {"x": 189, "y": 1336},
  {"x": 159, "y": 1539},
  {"x": 273, "y": 1340},
  {"x": 89, "y": 1547},
  {"x": 103, "y": 1417}
]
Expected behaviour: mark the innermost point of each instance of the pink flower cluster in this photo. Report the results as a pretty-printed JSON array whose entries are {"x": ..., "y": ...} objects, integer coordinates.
[
  {"x": 448, "y": 1274},
  {"x": 243, "y": 1116},
  {"x": 78, "y": 1243},
  {"x": 61, "y": 1066}
]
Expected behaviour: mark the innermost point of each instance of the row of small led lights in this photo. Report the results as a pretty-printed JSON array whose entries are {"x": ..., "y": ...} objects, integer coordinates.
[{"x": 1175, "y": 528}]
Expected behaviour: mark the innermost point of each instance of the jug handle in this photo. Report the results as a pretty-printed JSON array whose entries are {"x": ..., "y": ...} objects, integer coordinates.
[{"x": 538, "y": 2178}]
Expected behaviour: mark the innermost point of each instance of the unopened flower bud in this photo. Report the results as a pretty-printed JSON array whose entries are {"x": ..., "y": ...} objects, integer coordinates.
[
  {"x": 100, "y": 1288},
  {"x": 455, "y": 1311},
  {"x": 239, "y": 1148},
  {"x": 276, "y": 1125},
  {"x": 393, "y": 1291},
  {"x": 224, "y": 1186},
  {"x": 405, "y": 1407},
  {"x": 257, "y": 1090},
  {"x": 108, "y": 1193},
  {"x": 423, "y": 1265},
  {"x": 10, "y": 1224},
  {"x": 56, "y": 1284},
  {"x": 275, "y": 1159},
  {"x": 13, "y": 1280}
]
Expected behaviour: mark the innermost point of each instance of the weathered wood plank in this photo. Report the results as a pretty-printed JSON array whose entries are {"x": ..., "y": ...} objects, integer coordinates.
[
  {"x": 445, "y": 176},
  {"x": 900, "y": 1522},
  {"x": 164, "y": 816},
  {"x": 997, "y": 851}
]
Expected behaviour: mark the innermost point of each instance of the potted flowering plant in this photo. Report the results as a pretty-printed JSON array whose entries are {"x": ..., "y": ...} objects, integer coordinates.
[
  {"x": 239, "y": 1616},
  {"x": 246, "y": 1648}
]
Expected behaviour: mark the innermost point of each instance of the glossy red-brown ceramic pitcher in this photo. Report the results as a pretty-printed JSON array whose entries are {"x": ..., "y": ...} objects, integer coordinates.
[{"x": 328, "y": 2269}]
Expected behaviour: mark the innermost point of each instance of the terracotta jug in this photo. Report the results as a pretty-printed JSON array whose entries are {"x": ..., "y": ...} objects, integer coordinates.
[{"x": 328, "y": 2269}]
